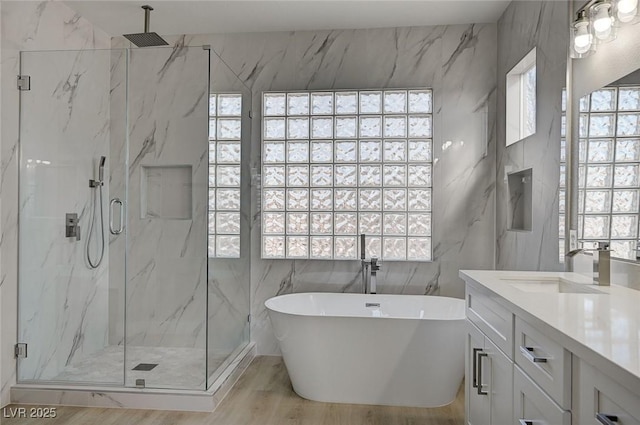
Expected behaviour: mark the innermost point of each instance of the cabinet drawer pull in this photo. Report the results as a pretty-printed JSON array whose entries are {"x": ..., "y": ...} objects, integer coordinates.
[
  {"x": 480, "y": 391},
  {"x": 527, "y": 352},
  {"x": 525, "y": 422},
  {"x": 606, "y": 419},
  {"x": 475, "y": 367}
]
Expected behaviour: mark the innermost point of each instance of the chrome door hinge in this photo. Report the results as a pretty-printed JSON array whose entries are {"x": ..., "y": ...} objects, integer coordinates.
[
  {"x": 21, "y": 350},
  {"x": 24, "y": 82}
]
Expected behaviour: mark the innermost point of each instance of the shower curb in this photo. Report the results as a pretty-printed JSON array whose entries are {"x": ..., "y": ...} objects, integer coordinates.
[{"x": 137, "y": 398}]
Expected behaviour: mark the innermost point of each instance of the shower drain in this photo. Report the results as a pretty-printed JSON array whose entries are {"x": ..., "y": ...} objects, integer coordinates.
[{"x": 145, "y": 366}]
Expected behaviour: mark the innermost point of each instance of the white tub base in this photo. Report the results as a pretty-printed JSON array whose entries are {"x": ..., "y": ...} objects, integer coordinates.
[{"x": 407, "y": 352}]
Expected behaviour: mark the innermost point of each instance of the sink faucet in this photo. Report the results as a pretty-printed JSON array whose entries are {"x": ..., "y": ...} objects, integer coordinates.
[
  {"x": 369, "y": 269},
  {"x": 601, "y": 263}
]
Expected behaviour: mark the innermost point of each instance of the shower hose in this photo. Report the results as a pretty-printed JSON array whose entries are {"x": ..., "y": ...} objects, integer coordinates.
[{"x": 93, "y": 264}]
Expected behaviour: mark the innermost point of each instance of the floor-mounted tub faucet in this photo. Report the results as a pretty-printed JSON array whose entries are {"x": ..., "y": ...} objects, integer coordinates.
[
  {"x": 374, "y": 266},
  {"x": 369, "y": 269}
]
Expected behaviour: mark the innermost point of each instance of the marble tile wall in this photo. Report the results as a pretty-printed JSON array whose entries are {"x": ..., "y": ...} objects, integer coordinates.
[
  {"x": 63, "y": 303},
  {"x": 25, "y": 26},
  {"x": 523, "y": 26},
  {"x": 118, "y": 155},
  {"x": 228, "y": 279},
  {"x": 459, "y": 63},
  {"x": 167, "y": 257}
]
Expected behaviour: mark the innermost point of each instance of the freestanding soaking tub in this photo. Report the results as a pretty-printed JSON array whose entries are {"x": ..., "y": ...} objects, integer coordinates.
[{"x": 399, "y": 350}]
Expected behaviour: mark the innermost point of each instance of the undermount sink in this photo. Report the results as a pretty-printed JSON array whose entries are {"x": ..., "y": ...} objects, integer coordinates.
[{"x": 552, "y": 286}]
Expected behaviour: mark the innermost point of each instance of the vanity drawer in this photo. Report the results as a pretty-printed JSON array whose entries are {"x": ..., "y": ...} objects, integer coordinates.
[
  {"x": 600, "y": 399},
  {"x": 494, "y": 320},
  {"x": 545, "y": 361},
  {"x": 533, "y": 406}
]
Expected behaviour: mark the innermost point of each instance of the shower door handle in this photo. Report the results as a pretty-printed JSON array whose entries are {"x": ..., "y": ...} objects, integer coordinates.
[{"x": 121, "y": 225}]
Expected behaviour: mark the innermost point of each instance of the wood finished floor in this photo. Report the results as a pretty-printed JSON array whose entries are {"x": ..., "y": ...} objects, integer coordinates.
[{"x": 262, "y": 396}]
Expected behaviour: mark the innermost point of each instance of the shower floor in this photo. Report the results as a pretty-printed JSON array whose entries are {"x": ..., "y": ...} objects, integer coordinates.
[{"x": 177, "y": 368}]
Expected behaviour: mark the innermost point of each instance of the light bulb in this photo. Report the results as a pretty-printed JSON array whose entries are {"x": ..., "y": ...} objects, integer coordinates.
[
  {"x": 627, "y": 6},
  {"x": 582, "y": 39},
  {"x": 602, "y": 20},
  {"x": 627, "y": 10}
]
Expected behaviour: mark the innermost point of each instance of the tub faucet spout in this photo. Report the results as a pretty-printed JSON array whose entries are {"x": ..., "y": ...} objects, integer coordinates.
[
  {"x": 368, "y": 269},
  {"x": 373, "y": 281}
]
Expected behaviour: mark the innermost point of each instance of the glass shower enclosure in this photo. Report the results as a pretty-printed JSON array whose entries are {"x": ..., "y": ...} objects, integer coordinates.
[{"x": 118, "y": 281}]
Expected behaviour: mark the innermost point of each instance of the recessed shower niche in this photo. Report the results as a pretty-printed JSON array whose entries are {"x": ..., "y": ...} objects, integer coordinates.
[
  {"x": 520, "y": 200},
  {"x": 166, "y": 192}
]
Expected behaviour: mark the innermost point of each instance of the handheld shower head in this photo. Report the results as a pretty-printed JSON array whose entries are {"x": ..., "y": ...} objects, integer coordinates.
[{"x": 103, "y": 159}]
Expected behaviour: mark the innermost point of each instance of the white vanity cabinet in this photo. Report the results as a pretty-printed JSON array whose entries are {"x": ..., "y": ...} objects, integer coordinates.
[
  {"x": 489, "y": 383},
  {"x": 545, "y": 361},
  {"x": 532, "y": 359},
  {"x": 599, "y": 400},
  {"x": 533, "y": 406},
  {"x": 488, "y": 370}
]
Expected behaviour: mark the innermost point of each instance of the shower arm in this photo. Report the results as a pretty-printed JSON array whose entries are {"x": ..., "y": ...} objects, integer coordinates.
[{"x": 147, "y": 17}]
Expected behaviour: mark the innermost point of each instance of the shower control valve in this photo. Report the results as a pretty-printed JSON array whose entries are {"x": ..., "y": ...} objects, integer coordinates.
[{"x": 72, "y": 226}]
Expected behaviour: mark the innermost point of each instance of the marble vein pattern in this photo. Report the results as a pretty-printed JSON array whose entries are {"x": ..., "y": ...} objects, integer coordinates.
[
  {"x": 459, "y": 64},
  {"x": 228, "y": 279},
  {"x": 176, "y": 367},
  {"x": 523, "y": 26},
  {"x": 26, "y": 26},
  {"x": 134, "y": 398},
  {"x": 167, "y": 259},
  {"x": 63, "y": 303}
]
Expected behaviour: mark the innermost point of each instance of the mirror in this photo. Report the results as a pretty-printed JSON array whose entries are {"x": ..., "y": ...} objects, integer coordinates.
[
  {"x": 609, "y": 167},
  {"x": 602, "y": 155}
]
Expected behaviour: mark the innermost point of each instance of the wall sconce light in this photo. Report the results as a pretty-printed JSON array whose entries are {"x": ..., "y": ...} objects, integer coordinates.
[
  {"x": 603, "y": 21},
  {"x": 597, "y": 23},
  {"x": 582, "y": 43},
  {"x": 627, "y": 10}
]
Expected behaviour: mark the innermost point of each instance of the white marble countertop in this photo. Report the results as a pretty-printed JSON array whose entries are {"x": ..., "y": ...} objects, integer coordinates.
[{"x": 602, "y": 329}]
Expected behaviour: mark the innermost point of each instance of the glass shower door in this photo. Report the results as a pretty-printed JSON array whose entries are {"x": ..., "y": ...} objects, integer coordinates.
[
  {"x": 70, "y": 298},
  {"x": 166, "y": 310}
]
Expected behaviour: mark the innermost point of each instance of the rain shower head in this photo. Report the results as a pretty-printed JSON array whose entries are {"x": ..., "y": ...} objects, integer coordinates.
[{"x": 146, "y": 38}]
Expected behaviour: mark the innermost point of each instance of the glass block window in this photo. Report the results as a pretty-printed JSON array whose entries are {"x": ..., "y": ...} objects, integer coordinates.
[
  {"x": 563, "y": 177},
  {"x": 339, "y": 164},
  {"x": 225, "y": 130},
  {"x": 609, "y": 169}
]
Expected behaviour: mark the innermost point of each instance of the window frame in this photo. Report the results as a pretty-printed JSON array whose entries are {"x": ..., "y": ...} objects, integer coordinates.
[{"x": 517, "y": 101}]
